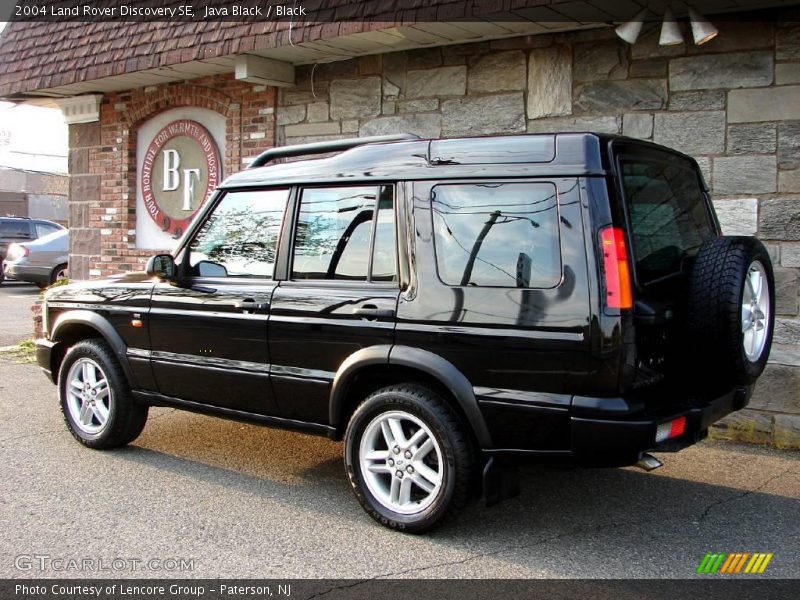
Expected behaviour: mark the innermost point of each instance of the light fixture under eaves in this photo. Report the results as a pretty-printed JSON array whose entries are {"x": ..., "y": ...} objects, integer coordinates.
[
  {"x": 702, "y": 30},
  {"x": 670, "y": 30},
  {"x": 630, "y": 30}
]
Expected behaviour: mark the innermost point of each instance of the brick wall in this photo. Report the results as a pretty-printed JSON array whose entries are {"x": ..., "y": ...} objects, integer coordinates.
[
  {"x": 102, "y": 162},
  {"x": 734, "y": 104}
]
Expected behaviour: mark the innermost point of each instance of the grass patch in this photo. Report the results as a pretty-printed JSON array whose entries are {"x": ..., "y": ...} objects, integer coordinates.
[{"x": 24, "y": 352}]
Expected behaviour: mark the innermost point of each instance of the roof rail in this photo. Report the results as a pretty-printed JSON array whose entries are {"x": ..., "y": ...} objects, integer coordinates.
[{"x": 323, "y": 147}]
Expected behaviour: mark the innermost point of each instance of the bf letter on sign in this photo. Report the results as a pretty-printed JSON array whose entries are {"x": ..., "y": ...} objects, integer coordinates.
[{"x": 172, "y": 177}]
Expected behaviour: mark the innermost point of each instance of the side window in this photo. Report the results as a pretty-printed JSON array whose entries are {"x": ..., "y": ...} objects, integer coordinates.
[
  {"x": 384, "y": 255},
  {"x": 497, "y": 234},
  {"x": 240, "y": 236},
  {"x": 43, "y": 229},
  {"x": 339, "y": 237}
]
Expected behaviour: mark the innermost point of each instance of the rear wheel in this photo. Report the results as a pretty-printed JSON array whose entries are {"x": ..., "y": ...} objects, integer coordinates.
[
  {"x": 408, "y": 458},
  {"x": 731, "y": 309},
  {"x": 60, "y": 272},
  {"x": 96, "y": 399}
]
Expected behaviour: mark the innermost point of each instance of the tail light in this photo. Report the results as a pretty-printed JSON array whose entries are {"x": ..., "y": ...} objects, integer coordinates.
[
  {"x": 15, "y": 252},
  {"x": 670, "y": 429},
  {"x": 616, "y": 269}
]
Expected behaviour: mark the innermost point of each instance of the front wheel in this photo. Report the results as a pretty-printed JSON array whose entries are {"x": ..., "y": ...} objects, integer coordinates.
[
  {"x": 409, "y": 458},
  {"x": 96, "y": 399}
]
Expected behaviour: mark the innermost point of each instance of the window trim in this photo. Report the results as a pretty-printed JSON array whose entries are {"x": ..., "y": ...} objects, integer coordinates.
[
  {"x": 291, "y": 242},
  {"x": 498, "y": 180}
]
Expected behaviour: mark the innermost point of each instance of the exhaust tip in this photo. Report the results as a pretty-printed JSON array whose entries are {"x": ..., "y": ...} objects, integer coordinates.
[{"x": 648, "y": 462}]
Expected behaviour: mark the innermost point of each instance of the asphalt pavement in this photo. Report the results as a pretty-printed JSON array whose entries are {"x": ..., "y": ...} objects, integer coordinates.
[
  {"x": 201, "y": 497},
  {"x": 16, "y": 322}
]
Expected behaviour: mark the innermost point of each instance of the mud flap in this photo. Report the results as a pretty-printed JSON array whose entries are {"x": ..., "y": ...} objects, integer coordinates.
[{"x": 500, "y": 482}]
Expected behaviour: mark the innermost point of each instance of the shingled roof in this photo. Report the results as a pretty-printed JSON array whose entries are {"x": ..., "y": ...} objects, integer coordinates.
[
  {"x": 35, "y": 56},
  {"x": 70, "y": 57}
]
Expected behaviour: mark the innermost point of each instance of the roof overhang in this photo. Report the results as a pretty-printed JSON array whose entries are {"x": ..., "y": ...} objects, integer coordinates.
[{"x": 279, "y": 62}]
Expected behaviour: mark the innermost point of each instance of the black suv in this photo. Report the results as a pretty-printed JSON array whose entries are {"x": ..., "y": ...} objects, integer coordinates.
[
  {"x": 447, "y": 307},
  {"x": 22, "y": 229}
]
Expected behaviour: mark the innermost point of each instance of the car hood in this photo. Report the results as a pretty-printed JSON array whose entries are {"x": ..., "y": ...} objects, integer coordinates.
[{"x": 80, "y": 290}]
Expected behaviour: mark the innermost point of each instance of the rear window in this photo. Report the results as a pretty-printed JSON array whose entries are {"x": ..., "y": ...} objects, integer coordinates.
[
  {"x": 667, "y": 213},
  {"x": 15, "y": 229}
]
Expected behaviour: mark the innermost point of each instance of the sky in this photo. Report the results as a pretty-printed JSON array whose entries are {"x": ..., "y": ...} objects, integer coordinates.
[{"x": 32, "y": 137}]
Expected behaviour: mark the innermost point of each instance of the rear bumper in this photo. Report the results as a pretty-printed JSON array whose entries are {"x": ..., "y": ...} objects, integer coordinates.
[
  {"x": 44, "y": 353},
  {"x": 16, "y": 272},
  {"x": 616, "y": 431},
  {"x": 603, "y": 434}
]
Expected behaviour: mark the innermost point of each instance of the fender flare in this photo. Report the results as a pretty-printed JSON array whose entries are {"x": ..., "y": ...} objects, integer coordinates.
[
  {"x": 450, "y": 377},
  {"x": 372, "y": 355},
  {"x": 103, "y": 327},
  {"x": 421, "y": 360}
]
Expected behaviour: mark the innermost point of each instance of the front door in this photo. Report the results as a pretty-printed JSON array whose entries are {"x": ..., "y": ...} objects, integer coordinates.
[
  {"x": 209, "y": 332},
  {"x": 340, "y": 296}
]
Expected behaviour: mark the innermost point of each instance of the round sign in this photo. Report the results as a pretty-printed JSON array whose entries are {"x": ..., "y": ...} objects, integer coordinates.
[{"x": 180, "y": 170}]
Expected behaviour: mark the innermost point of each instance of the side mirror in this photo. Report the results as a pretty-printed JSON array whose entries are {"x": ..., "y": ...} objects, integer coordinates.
[{"x": 161, "y": 265}]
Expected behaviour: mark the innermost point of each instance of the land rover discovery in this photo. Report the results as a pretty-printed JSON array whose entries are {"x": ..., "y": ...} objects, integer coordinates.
[{"x": 445, "y": 307}]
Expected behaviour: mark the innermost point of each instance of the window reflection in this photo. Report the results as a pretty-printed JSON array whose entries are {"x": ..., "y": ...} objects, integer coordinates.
[
  {"x": 502, "y": 235},
  {"x": 335, "y": 230},
  {"x": 240, "y": 235},
  {"x": 384, "y": 259},
  {"x": 667, "y": 213}
]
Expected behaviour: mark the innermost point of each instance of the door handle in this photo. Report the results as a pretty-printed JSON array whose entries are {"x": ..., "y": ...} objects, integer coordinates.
[
  {"x": 372, "y": 312},
  {"x": 249, "y": 304}
]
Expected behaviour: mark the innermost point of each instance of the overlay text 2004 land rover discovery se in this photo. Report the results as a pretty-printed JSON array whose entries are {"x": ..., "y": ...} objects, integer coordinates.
[{"x": 441, "y": 305}]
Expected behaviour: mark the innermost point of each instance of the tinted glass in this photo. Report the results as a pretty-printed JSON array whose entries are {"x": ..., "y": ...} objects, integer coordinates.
[
  {"x": 384, "y": 257},
  {"x": 667, "y": 213},
  {"x": 334, "y": 229},
  {"x": 240, "y": 236},
  {"x": 497, "y": 234},
  {"x": 15, "y": 229}
]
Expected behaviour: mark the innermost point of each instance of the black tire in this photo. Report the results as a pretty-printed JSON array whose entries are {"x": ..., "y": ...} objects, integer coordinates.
[
  {"x": 454, "y": 444},
  {"x": 715, "y": 315},
  {"x": 59, "y": 272},
  {"x": 125, "y": 418}
]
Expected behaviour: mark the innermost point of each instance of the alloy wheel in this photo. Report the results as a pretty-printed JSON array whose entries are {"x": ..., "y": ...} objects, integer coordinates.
[
  {"x": 88, "y": 396},
  {"x": 401, "y": 461}
]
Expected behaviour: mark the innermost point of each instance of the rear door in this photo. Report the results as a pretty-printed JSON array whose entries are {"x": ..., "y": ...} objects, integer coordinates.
[
  {"x": 668, "y": 216},
  {"x": 209, "y": 333},
  {"x": 340, "y": 292}
]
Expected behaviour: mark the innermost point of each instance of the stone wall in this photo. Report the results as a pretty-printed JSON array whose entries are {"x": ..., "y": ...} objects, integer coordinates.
[
  {"x": 734, "y": 104},
  {"x": 102, "y": 159}
]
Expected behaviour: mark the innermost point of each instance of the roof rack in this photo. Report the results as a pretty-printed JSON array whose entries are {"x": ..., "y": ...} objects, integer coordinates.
[{"x": 323, "y": 147}]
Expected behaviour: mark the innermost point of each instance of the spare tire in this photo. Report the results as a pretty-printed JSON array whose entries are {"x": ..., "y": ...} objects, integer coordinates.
[{"x": 731, "y": 308}]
